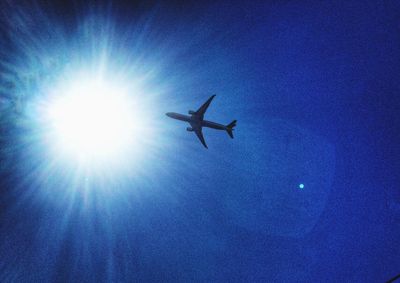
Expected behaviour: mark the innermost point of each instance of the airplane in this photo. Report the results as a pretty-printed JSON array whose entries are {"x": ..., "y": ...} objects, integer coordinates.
[{"x": 197, "y": 122}]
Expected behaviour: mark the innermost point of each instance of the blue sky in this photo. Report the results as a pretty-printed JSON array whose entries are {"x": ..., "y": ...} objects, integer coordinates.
[{"x": 314, "y": 87}]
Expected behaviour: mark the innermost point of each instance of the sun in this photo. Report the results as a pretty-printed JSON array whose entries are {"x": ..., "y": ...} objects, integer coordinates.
[{"x": 93, "y": 120}]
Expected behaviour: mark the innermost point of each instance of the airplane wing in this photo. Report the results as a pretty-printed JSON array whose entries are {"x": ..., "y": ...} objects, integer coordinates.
[
  {"x": 200, "y": 112},
  {"x": 199, "y": 134}
]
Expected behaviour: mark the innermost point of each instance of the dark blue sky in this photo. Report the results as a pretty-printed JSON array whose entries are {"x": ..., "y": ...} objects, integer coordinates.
[{"x": 314, "y": 86}]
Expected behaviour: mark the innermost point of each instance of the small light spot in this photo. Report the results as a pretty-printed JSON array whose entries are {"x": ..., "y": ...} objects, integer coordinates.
[{"x": 301, "y": 186}]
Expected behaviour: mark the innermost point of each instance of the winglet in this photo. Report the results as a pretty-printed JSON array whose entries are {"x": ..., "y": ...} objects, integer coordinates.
[{"x": 229, "y": 128}]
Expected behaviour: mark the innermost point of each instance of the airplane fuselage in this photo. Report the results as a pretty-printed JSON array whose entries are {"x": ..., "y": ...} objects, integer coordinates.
[{"x": 196, "y": 121}]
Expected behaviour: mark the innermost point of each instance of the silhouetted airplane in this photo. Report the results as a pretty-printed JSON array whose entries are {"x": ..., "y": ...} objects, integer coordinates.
[{"x": 197, "y": 122}]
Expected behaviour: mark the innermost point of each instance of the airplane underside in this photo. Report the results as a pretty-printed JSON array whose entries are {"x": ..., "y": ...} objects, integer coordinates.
[{"x": 197, "y": 122}]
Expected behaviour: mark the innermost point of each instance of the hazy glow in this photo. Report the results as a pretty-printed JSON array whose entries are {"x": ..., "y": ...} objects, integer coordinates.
[
  {"x": 301, "y": 186},
  {"x": 89, "y": 143},
  {"x": 94, "y": 116},
  {"x": 93, "y": 120}
]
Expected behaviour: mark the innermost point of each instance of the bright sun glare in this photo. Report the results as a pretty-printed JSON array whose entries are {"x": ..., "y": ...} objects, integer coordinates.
[{"x": 93, "y": 120}]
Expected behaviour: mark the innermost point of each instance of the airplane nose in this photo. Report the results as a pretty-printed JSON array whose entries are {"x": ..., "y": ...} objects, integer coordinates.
[{"x": 168, "y": 114}]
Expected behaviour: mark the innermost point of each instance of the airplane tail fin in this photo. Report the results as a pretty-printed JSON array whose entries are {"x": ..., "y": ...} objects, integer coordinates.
[{"x": 229, "y": 128}]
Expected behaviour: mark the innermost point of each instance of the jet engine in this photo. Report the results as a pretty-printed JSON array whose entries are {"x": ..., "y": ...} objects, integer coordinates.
[
  {"x": 189, "y": 129},
  {"x": 191, "y": 112}
]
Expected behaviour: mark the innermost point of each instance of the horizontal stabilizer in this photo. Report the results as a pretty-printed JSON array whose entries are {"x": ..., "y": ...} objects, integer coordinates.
[{"x": 229, "y": 128}]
